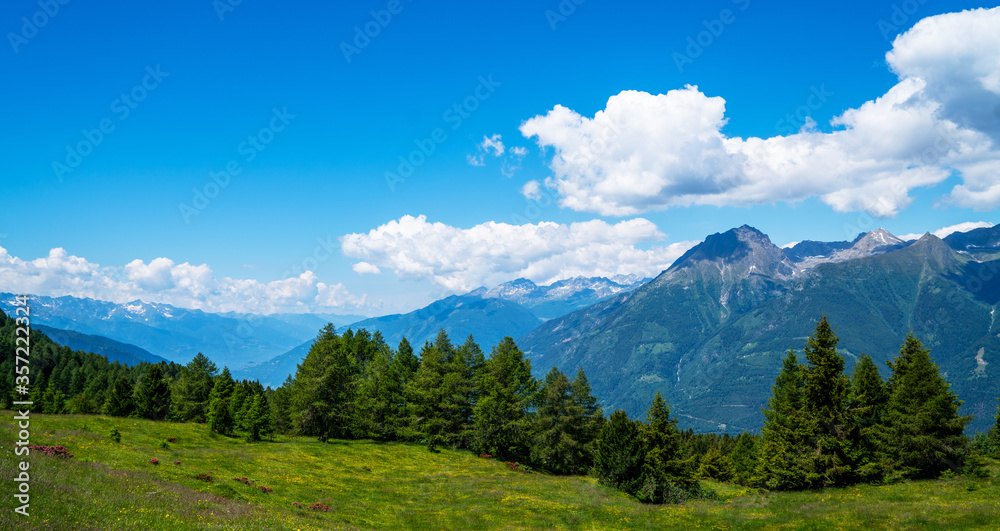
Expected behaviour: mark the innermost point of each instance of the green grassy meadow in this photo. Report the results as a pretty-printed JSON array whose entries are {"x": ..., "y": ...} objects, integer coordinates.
[{"x": 370, "y": 485}]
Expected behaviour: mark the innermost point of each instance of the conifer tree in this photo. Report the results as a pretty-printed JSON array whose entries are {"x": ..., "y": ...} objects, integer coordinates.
[
  {"x": 152, "y": 395},
  {"x": 403, "y": 367},
  {"x": 281, "y": 420},
  {"x": 258, "y": 418},
  {"x": 501, "y": 421},
  {"x": 555, "y": 446},
  {"x": 588, "y": 420},
  {"x": 995, "y": 430},
  {"x": 663, "y": 471},
  {"x": 923, "y": 432},
  {"x": 868, "y": 400},
  {"x": 744, "y": 458},
  {"x": 119, "y": 402},
  {"x": 824, "y": 393},
  {"x": 324, "y": 387},
  {"x": 192, "y": 389},
  {"x": 220, "y": 417},
  {"x": 426, "y": 399},
  {"x": 783, "y": 460},
  {"x": 375, "y": 396},
  {"x": 620, "y": 454}
]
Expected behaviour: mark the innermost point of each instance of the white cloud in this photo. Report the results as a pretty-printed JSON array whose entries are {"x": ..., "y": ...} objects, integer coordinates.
[
  {"x": 495, "y": 143},
  {"x": 364, "y": 268},
  {"x": 648, "y": 152},
  {"x": 532, "y": 190},
  {"x": 459, "y": 259},
  {"x": 183, "y": 285},
  {"x": 945, "y": 231},
  {"x": 494, "y": 146}
]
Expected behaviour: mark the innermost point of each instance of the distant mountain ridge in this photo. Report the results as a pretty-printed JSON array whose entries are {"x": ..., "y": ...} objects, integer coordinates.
[
  {"x": 711, "y": 330},
  {"x": 175, "y": 334},
  {"x": 113, "y": 350}
]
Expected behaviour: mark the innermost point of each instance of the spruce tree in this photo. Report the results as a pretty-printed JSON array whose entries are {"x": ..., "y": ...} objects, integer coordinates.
[
  {"x": 258, "y": 418},
  {"x": 375, "y": 396},
  {"x": 783, "y": 457},
  {"x": 152, "y": 395},
  {"x": 923, "y": 433},
  {"x": 744, "y": 458},
  {"x": 324, "y": 389},
  {"x": 588, "y": 420},
  {"x": 220, "y": 417},
  {"x": 824, "y": 398},
  {"x": 620, "y": 454},
  {"x": 868, "y": 400},
  {"x": 119, "y": 402},
  {"x": 426, "y": 397},
  {"x": 555, "y": 446},
  {"x": 664, "y": 474},
  {"x": 192, "y": 389},
  {"x": 501, "y": 422},
  {"x": 995, "y": 430},
  {"x": 281, "y": 419}
]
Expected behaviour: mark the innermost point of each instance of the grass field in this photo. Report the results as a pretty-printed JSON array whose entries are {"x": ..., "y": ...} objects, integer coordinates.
[{"x": 367, "y": 485}]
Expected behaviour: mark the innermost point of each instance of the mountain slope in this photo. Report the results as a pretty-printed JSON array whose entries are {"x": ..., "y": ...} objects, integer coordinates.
[
  {"x": 113, "y": 350},
  {"x": 488, "y": 320},
  {"x": 711, "y": 331}
]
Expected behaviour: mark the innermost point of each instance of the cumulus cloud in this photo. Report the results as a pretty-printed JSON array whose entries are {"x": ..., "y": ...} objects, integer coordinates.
[
  {"x": 364, "y": 268},
  {"x": 459, "y": 260},
  {"x": 510, "y": 160},
  {"x": 951, "y": 229},
  {"x": 183, "y": 285},
  {"x": 647, "y": 152}
]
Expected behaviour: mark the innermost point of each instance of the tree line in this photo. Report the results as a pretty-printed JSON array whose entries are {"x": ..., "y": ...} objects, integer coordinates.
[{"x": 822, "y": 427}]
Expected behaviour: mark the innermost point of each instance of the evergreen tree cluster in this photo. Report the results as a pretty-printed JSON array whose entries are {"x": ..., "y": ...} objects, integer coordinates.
[{"x": 823, "y": 428}]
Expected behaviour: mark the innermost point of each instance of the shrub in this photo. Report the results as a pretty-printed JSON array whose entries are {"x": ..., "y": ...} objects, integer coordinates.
[
  {"x": 116, "y": 435},
  {"x": 204, "y": 477},
  {"x": 154, "y": 461}
]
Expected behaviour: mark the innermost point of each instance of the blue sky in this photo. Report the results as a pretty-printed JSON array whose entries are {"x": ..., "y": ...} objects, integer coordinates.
[{"x": 330, "y": 124}]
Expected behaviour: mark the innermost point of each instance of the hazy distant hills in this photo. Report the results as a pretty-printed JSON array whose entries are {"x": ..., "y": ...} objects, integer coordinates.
[
  {"x": 710, "y": 331},
  {"x": 173, "y": 333},
  {"x": 511, "y": 309},
  {"x": 113, "y": 350}
]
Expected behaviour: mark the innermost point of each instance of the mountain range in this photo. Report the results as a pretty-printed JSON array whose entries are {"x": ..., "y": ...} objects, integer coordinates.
[
  {"x": 488, "y": 314},
  {"x": 710, "y": 332}
]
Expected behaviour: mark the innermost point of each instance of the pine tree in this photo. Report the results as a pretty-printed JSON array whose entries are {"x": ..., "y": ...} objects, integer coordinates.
[
  {"x": 281, "y": 419},
  {"x": 923, "y": 433},
  {"x": 555, "y": 446},
  {"x": 324, "y": 389},
  {"x": 824, "y": 392},
  {"x": 744, "y": 458},
  {"x": 588, "y": 420},
  {"x": 220, "y": 417},
  {"x": 192, "y": 389},
  {"x": 53, "y": 400},
  {"x": 620, "y": 454},
  {"x": 426, "y": 399},
  {"x": 663, "y": 472},
  {"x": 119, "y": 402},
  {"x": 152, "y": 395},
  {"x": 258, "y": 418},
  {"x": 501, "y": 421},
  {"x": 403, "y": 367},
  {"x": 375, "y": 396},
  {"x": 783, "y": 459},
  {"x": 715, "y": 465},
  {"x": 868, "y": 400}
]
